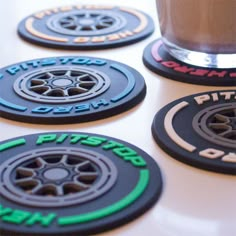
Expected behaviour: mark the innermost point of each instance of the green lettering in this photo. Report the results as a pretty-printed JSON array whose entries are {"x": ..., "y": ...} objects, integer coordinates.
[
  {"x": 4, "y": 211},
  {"x": 93, "y": 141},
  {"x": 124, "y": 151},
  {"x": 112, "y": 144},
  {"x": 62, "y": 138},
  {"x": 137, "y": 161},
  {"x": 46, "y": 138},
  {"x": 75, "y": 138},
  {"x": 16, "y": 217},
  {"x": 43, "y": 220},
  {"x": 130, "y": 155}
]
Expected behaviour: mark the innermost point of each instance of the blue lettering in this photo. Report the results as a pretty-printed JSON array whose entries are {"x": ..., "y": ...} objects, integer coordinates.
[
  {"x": 88, "y": 61},
  {"x": 42, "y": 110},
  {"x": 65, "y": 60},
  {"x": 97, "y": 62},
  {"x": 68, "y": 109},
  {"x": 48, "y": 61},
  {"x": 24, "y": 66},
  {"x": 62, "y": 110},
  {"x": 80, "y": 60},
  {"x": 13, "y": 70},
  {"x": 102, "y": 102},
  {"x": 34, "y": 63},
  {"x": 82, "y": 107}
]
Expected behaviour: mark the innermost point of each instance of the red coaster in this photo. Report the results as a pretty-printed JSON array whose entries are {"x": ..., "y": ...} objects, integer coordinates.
[{"x": 158, "y": 60}]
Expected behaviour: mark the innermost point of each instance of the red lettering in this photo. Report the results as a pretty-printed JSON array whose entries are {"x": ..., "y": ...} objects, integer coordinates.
[
  {"x": 170, "y": 64},
  {"x": 232, "y": 75},
  {"x": 199, "y": 72},
  {"x": 220, "y": 74},
  {"x": 184, "y": 69}
]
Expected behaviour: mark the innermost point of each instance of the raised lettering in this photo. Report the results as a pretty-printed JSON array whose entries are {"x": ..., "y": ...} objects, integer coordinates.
[
  {"x": 184, "y": 69},
  {"x": 48, "y": 62},
  {"x": 63, "y": 110},
  {"x": 46, "y": 138},
  {"x": 170, "y": 64},
  {"x": 199, "y": 72},
  {"x": 93, "y": 141},
  {"x": 227, "y": 95},
  {"x": 43, "y": 220},
  {"x": 13, "y": 70},
  {"x": 101, "y": 102},
  {"x": 42, "y": 110},
  {"x": 130, "y": 155},
  {"x": 112, "y": 145},
  {"x": 231, "y": 157},
  {"x": 82, "y": 107},
  {"x": 211, "y": 153},
  {"x": 220, "y": 74},
  {"x": 201, "y": 99},
  {"x": 16, "y": 217},
  {"x": 75, "y": 138}
]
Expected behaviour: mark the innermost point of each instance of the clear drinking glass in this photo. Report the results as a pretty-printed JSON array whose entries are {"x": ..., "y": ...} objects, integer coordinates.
[{"x": 199, "y": 32}]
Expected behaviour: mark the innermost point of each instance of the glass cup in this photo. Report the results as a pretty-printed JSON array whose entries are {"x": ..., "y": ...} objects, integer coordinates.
[{"x": 199, "y": 32}]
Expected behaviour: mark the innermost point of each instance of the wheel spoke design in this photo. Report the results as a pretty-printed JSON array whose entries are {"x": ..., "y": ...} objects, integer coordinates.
[
  {"x": 217, "y": 124},
  {"x": 28, "y": 185},
  {"x": 224, "y": 124},
  {"x": 222, "y": 118},
  {"x": 58, "y": 85},
  {"x": 51, "y": 169},
  {"x": 64, "y": 177},
  {"x": 87, "y": 178},
  {"x": 24, "y": 172},
  {"x": 40, "y": 162},
  {"x": 61, "y": 85},
  {"x": 87, "y": 22}
]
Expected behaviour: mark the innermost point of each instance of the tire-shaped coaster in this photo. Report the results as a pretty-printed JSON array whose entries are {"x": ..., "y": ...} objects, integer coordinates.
[
  {"x": 200, "y": 130},
  {"x": 158, "y": 60},
  {"x": 73, "y": 184},
  {"x": 86, "y": 27},
  {"x": 68, "y": 90}
]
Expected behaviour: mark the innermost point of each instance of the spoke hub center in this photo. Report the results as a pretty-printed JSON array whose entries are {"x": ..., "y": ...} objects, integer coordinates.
[
  {"x": 62, "y": 82},
  {"x": 86, "y": 22},
  {"x": 56, "y": 174}
]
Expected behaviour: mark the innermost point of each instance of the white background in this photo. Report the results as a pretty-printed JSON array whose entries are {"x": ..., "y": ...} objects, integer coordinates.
[{"x": 194, "y": 202}]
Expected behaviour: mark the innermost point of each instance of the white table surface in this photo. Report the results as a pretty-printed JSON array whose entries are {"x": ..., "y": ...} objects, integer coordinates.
[{"x": 194, "y": 202}]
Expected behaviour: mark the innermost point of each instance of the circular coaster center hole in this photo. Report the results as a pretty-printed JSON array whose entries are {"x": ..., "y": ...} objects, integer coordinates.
[
  {"x": 56, "y": 174},
  {"x": 86, "y": 21},
  {"x": 62, "y": 82}
]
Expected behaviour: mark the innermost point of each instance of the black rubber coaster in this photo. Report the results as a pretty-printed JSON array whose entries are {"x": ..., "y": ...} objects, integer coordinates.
[
  {"x": 68, "y": 90},
  {"x": 86, "y": 27},
  {"x": 73, "y": 184},
  {"x": 158, "y": 60},
  {"x": 200, "y": 130}
]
